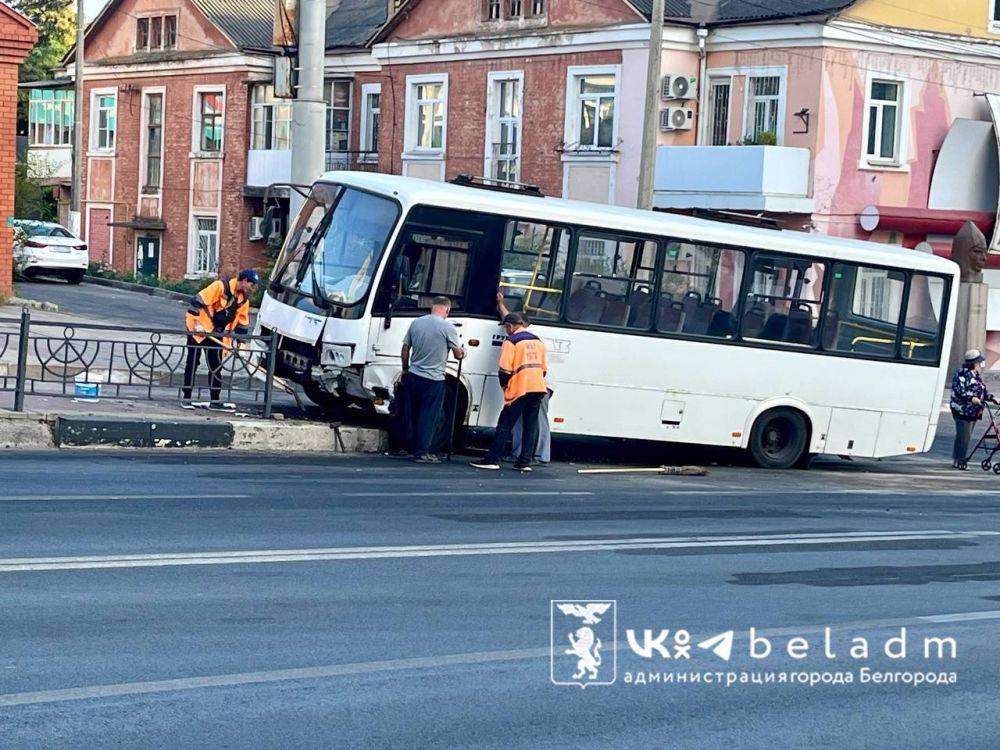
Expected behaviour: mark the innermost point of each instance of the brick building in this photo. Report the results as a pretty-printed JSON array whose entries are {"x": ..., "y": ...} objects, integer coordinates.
[
  {"x": 17, "y": 37},
  {"x": 168, "y": 91}
]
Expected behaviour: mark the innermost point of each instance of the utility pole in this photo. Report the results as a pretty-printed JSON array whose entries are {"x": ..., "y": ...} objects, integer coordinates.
[
  {"x": 650, "y": 123},
  {"x": 75, "y": 223},
  {"x": 309, "y": 108}
]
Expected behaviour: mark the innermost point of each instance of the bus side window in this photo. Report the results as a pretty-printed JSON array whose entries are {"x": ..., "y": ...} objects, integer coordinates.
[
  {"x": 699, "y": 289},
  {"x": 787, "y": 292},
  {"x": 863, "y": 312},
  {"x": 924, "y": 313},
  {"x": 612, "y": 282},
  {"x": 533, "y": 268},
  {"x": 431, "y": 264}
]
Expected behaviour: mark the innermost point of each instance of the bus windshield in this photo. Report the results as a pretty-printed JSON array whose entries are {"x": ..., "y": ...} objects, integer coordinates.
[{"x": 335, "y": 245}]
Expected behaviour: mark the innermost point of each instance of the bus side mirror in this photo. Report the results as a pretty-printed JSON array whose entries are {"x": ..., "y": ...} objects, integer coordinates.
[{"x": 268, "y": 223}]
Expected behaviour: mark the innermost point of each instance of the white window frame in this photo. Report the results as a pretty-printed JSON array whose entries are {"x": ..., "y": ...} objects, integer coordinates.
[
  {"x": 193, "y": 236},
  {"x": 493, "y": 79},
  {"x": 992, "y": 25},
  {"x": 709, "y": 120},
  {"x": 330, "y": 108},
  {"x": 900, "y": 163},
  {"x": 36, "y": 128},
  {"x": 571, "y": 129},
  {"x": 367, "y": 89},
  {"x": 749, "y": 99},
  {"x": 144, "y": 137},
  {"x": 258, "y": 103},
  {"x": 95, "y": 117},
  {"x": 196, "y": 121},
  {"x": 410, "y": 121}
]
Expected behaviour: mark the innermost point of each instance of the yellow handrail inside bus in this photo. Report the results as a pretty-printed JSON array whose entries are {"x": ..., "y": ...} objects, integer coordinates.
[{"x": 912, "y": 343}]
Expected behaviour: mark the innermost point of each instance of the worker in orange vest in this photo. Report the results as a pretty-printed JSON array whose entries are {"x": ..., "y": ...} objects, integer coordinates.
[
  {"x": 523, "y": 366},
  {"x": 220, "y": 309}
]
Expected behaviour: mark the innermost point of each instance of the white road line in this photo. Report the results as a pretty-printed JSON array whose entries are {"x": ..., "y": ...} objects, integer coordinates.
[
  {"x": 233, "y": 557},
  {"x": 122, "y": 689},
  {"x": 526, "y": 493},
  {"x": 963, "y": 616},
  {"x": 188, "y": 496}
]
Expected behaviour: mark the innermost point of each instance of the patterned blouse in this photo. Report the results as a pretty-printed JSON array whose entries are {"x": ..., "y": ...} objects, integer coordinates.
[{"x": 966, "y": 385}]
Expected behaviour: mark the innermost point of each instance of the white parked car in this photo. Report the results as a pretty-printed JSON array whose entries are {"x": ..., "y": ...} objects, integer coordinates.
[{"x": 50, "y": 249}]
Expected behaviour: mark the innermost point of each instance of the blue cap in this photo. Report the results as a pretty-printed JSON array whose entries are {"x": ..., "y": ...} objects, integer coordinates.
[{"x": 249, "y": 274}]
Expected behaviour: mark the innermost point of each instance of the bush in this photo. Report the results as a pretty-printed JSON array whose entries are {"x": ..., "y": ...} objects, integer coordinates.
[{"x": 183, "y": 286}]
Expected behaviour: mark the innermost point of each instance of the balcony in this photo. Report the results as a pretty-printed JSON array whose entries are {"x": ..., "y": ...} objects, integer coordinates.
[
  {"x": 354, "y": 161},
  {"x": 774, "y": 179},
  {"x": 265, "y": 167}
]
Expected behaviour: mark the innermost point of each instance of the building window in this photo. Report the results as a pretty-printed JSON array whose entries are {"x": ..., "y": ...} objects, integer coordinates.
[
  {"x": 595, "y": 110},
  {"x": 338, "y": 115},
  {"x": 272, "y": 120},
  {"x": 492, "y": 10},
  {"x": 210, "y": 121},
  {"x": 371, "y": 97},
  {"x": 103, "y": 121},
  {"x": 763, "y": 104},
  {"x": 50, "y": 117},
  {"x": 516, "y": 9},
  {"x": 154, "y": 143},
  {"x": 537, "y": 8},
  {"x": 427, "y": 113},
  {"x": 882, "y": 142},
  {"x": 155, "y": 33},
  {"x": 504, "y": 127},
  {"x": 206, "y": 249}
]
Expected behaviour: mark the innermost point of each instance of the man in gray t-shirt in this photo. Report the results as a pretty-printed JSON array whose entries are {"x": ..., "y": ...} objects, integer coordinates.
[{"x": 424, "y": 355}]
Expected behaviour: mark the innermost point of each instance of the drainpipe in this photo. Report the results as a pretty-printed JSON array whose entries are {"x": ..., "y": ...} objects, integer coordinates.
[{"x": 702, "y": 83}]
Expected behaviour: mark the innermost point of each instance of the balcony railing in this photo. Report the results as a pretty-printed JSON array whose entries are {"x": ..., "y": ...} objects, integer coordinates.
[{"x": 353, "y": 161}]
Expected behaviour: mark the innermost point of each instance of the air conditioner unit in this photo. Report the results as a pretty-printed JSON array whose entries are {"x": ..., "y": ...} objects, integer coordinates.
[
  {"x": 677, "y": 87},
  {"x": 256, "y": 228},
  {"x": 676, "y": 118}
]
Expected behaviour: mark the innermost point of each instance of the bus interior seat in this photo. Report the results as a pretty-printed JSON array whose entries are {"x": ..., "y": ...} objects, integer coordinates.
[
  {"x": 586, "y": 304},
  {"x": 698, "y": 320},
  {"x": 691, "y": 301},
  {"x": 799, "y": 329},
  {"x": 670, "y": 317},
  {"x": 615, "y": 311},
  {"x": 640, "y": 303},
  {"x": 753, "y": 320},
  {"x": 723, "y": 325},
  {"x": 774, "y": 327}
]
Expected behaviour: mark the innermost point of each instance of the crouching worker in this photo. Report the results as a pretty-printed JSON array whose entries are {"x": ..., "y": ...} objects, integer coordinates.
[
  {"x": 220, "y": 309},
  {"x": 522, "y": 375}
]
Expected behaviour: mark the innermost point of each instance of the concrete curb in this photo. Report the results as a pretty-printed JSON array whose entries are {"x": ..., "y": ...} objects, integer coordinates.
[
  {"x": 33, "y": 304},
  {"x": 40, "y": 431},
  {"x": 142, "y": 288}
]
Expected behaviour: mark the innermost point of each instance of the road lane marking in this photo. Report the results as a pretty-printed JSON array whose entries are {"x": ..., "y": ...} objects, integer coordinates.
[
  {"x": 188, "y": 496},
  {"x": 122, "y": 689},
  {"x": 233, "y": 557},
  {"x": 491, "y": 493}
]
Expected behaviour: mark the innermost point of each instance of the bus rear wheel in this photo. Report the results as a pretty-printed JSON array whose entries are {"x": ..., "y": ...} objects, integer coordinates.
[{"x": 779, "y": 438}]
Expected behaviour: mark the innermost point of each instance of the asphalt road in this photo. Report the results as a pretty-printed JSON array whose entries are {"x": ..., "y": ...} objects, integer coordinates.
[
  {"x": 102, "y": 304},
  {"x": 215, "y": 600}
]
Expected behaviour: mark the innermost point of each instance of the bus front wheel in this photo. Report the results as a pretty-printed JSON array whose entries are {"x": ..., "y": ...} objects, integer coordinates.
[{"x": 779, "y": 438}]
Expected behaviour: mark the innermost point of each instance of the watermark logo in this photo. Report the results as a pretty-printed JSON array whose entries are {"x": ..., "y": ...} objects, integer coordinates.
[{"x": 584, "y": 642}]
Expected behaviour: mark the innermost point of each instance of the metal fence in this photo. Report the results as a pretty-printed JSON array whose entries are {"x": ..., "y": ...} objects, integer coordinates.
[{"x": 94, "y": 361}]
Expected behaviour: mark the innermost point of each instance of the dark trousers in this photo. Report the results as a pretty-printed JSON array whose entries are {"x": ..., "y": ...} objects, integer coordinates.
[
  {"x": 423, "y": 402},
  {"x": 963, "y": 434},
  {"x": 525, "y": 408},
  {"x": 213, "y": 353}
]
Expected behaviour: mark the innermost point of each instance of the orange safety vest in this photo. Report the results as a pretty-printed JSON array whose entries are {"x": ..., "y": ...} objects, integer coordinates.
[
  {"x": 218, "y": 308},
  {"x": 522, "y": 357}
]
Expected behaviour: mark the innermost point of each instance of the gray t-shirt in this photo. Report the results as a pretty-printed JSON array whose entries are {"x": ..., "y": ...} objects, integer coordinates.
[{"x": 430, "y": 338}]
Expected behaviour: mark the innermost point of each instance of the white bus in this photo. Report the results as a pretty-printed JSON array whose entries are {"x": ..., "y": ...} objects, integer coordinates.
[{"x": 659, "y": 327}]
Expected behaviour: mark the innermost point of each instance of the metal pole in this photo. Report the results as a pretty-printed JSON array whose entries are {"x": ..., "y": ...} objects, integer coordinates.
[
  {"x": 22, "y": 360},
  {"x": 75, "y": 223},
  {"x": 650, "y": 124},
  {"x": 272, "y": 355},
  {"x": 309, "y": 108}
]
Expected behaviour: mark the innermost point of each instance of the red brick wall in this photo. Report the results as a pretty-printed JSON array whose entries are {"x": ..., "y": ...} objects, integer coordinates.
[
  {"x": 235, "y": 250},
  {"x": 17, "y": 36},
  {"x": 543, "y": 116}
]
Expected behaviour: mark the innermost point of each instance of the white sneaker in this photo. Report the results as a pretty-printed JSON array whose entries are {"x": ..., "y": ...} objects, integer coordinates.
[{"x": 485, "y": 465}]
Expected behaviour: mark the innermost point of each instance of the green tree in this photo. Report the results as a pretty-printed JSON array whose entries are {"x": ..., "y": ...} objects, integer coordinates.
[{"x": 56, "y": 22}]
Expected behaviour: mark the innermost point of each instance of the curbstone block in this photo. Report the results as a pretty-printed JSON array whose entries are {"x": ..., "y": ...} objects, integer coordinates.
[{"x": 26, "y": 432}]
